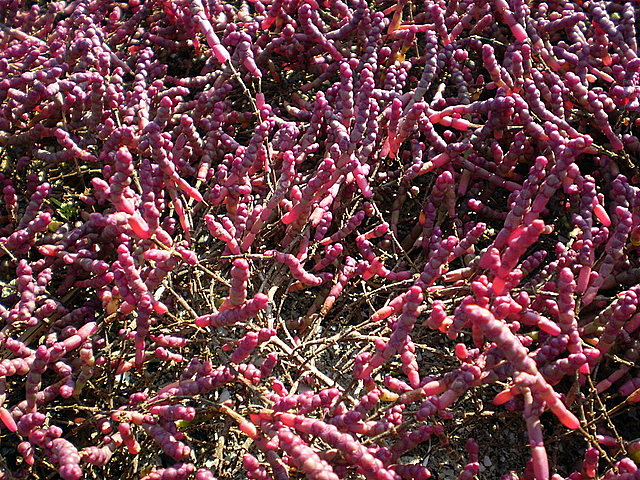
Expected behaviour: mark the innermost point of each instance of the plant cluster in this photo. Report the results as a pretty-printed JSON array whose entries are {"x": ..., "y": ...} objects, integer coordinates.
[{"x": 307, "y": 238}]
